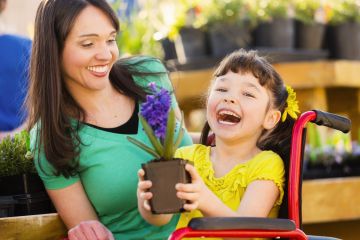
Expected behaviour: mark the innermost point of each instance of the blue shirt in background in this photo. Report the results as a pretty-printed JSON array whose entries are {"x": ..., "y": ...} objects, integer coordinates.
[{"x": 14, "y": 74}]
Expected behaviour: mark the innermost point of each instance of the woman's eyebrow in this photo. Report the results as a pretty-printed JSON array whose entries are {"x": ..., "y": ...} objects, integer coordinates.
[{"x": 95, "y": 34}]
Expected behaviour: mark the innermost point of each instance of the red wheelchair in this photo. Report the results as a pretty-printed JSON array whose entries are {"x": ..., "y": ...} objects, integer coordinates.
[{"x": 286, "y": 226}]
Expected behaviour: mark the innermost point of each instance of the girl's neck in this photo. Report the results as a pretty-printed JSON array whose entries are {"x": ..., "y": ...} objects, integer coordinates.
[{"x": 235, "y": 152}]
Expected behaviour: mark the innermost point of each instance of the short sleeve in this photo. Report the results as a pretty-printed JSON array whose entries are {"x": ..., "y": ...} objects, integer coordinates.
[
  {"x": 268, "y": 167},
  {"x": 45, "y": 170},
  {"x": 154, "y": 65}
]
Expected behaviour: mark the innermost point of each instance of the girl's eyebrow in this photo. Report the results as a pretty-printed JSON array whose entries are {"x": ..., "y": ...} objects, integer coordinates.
[{"x": 249, "y": 84}]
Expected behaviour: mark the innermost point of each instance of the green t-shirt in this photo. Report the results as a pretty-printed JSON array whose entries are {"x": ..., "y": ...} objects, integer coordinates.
[{"x": 108, "y": 166}]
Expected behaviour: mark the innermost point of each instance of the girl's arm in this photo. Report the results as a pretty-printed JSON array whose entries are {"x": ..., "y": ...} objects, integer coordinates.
[
  {"x": 143, "y": 203},
  {"x": 257, "y": 201},
  {"x": 78, "y": 214}
]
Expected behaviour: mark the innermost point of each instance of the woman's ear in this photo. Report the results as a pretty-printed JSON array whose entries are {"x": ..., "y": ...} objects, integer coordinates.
[{"x": 271, "y": 119}]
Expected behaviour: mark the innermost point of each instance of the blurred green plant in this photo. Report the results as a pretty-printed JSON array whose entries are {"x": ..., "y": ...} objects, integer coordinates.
[
  {"x": 341, "y": 11},
  {"x": 138, "y": 30},
  {"x": 310, "y": 11},
  {"x": 15, "y": 155},
  {"x": 267, "y": 10}
]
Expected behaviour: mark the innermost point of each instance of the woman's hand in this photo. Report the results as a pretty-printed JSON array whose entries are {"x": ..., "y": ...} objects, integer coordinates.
[
  {"x": 90, "y": 230},
  {"x": 143, "y": 194},
  {"x": 196, "y": 192}
]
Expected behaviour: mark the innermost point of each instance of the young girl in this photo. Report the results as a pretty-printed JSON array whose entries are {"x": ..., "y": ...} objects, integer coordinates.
[{"x": 251, "y": 112}]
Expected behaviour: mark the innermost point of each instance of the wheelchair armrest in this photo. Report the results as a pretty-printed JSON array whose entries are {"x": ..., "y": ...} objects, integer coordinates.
[
  {"x": 312, "y": 237},
  {"x": 221, "y": 223}
]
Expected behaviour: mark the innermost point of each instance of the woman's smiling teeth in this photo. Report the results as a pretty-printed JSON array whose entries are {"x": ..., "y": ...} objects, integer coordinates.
[
  {"x": 99, "y": 69},
  {"x": 228, "y": 117}
]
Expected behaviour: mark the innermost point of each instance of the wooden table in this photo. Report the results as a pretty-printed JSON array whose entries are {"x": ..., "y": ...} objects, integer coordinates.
[{"x": 325, "y": 85}]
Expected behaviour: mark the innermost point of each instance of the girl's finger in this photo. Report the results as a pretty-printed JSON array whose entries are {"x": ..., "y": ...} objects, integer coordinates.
[
  {"x": 141, "y": 174},
  {"x": 144, "y": 185},
  {"x": 146, "y": 195},
  {"x": 192, "y": 197},
  {"x": 183, "y": 187},
  {"x": 191, "y": 206},
  {"x": 193, "y": 173},
  {"x": 147, "y": 205}
]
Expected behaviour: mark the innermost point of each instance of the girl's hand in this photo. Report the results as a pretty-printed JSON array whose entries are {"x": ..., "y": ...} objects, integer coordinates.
[
  {"x": 90, "y": 230},
  {"x": 142, "y": 192},
  {"x": 195, "y": 192}
]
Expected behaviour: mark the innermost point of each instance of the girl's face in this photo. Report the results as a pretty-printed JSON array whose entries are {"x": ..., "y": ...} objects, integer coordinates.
[
  {"x": 239, "y": 107},
  {"x": 90, "y": 51}
]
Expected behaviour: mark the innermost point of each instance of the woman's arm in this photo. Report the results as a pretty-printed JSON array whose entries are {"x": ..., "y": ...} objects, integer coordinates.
[{"x": 78, "y": 214}]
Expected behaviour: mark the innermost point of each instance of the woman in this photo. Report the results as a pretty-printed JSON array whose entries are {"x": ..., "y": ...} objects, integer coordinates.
[{"x": 83, "y": 102}]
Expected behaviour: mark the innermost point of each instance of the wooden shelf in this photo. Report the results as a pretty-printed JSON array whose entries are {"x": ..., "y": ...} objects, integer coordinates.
[
  {"x": 324, "y": 200},
  {"x": 333, "y": 199}
]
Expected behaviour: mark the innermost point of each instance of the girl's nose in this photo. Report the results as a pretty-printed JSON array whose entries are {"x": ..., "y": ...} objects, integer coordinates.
[{"x": 227, "y": 100}]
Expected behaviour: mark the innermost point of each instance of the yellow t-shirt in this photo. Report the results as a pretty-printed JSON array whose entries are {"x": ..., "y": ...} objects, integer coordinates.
[{"x": 231, "y": 187}]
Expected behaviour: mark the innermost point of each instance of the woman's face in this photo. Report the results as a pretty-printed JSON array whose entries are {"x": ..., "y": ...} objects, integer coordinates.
[{"x": 89, "y": 52}]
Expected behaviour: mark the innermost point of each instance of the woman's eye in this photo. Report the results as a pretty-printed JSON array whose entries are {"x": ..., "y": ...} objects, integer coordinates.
[
  {"x": 112, "y": 40},
  {"x": 87, "y": 44}
]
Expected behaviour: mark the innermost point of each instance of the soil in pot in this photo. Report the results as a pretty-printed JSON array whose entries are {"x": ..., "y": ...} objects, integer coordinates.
[{"x": 164, "y": 175}]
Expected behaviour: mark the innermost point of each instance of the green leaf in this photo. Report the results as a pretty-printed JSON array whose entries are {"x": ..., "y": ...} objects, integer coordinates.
[
  {"x": 181, "y": 132},
  {"x": 143, "y": 146},
  {"x": 169, "y": 137},
  {"x": 149, "y": 132}
]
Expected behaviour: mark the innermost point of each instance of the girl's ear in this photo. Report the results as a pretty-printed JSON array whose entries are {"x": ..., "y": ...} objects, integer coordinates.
[{"x": 271, "y": 119}]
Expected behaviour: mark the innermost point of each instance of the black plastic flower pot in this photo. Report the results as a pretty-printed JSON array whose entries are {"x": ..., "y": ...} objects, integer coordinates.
[
  {"x": 344, "y": 41},
  {"x": 279, "y": 33},
  {"x": 21, "y": 184},
  {"x": 309, "y": 36},
  {"x": 165, "y": 174},
  {"x": 225, "y": 38}
]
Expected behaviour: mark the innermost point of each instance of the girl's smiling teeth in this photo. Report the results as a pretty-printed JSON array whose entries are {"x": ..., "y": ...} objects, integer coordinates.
[
  {"x": 99, "y": 69},
  {"x": 228, "y": 117}
]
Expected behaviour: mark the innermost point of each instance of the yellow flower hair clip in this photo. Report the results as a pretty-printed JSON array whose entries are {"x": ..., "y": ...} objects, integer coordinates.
[{"x": 292, "y": 105}]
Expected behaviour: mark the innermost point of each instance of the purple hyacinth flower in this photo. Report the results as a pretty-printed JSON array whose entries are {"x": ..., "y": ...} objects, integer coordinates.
[{"x": 155, "y": 110}]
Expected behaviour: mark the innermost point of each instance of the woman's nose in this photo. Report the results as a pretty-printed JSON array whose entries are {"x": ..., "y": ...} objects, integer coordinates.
[{"x": 104, "y": 53}]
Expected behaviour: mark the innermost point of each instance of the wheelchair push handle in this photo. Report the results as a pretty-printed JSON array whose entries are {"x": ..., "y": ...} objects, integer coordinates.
[{"x": 332, "y": 120}]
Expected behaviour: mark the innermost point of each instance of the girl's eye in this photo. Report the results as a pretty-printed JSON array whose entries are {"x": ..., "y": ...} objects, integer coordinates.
[
  {"x": 220, "y": 90},
  {"x": 247, "y": 94}
]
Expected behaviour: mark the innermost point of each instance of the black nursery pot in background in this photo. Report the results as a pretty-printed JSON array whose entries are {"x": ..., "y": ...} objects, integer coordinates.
[
  {"x": 164, "y": 175},
  {"x": 309, "y": 36},
  {"x": 278, "y": 33},
  {"x": 225, "y": 38}
]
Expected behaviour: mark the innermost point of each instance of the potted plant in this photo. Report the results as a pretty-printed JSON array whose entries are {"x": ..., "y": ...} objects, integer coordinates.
[
  {"x": 344, "y": 33},
  {"x": 310, "y": 23},
  {"x": 275, "y": 23},
  {"x": 187, "y": 30},
  {"x": 228, "y": 24},
  {"x": 21, "y": 189},
  {"x": 158, "y": 121},
  {"x": 326, "y": 158}
]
